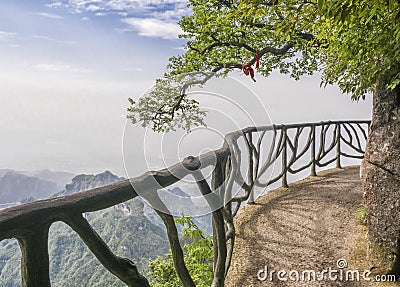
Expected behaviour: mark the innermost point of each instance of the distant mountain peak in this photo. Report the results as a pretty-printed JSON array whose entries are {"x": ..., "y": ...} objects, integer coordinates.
[{"x": 83, "y": 182}]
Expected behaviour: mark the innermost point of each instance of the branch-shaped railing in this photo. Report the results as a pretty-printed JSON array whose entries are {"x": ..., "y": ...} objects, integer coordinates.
[{"x": 272, "y": 153}]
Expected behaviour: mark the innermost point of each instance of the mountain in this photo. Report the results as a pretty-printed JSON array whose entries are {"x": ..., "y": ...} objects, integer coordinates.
[
  {"x": 89, "y": 181},
  {"x": 14, "y": 187},
  {"x": 124, "y": 227},
  {"x": 3, "y": 171},
  {"x": 61, "y": 178}
]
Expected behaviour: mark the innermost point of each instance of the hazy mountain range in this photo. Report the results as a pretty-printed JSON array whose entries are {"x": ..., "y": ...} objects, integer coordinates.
[{"x": 17, "y": 186}]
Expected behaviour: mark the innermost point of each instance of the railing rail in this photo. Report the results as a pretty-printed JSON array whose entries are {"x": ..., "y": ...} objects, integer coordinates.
[{"x": 295, "y": 147}]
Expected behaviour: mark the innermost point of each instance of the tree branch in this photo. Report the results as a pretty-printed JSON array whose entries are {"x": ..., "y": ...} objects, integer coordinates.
[
  {"x": 275, "y": 51},
  {"x": 173, "y": 238},
  {"x": 268, "y": 49},
  {"x": 230, "y": 65},
  {"x": 172, "y": 111}
]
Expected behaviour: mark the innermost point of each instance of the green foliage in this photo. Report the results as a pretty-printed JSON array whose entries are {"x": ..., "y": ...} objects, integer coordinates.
[
  {"x": 10, "y": 255},
  {"x": 355, "y": 43},
  {"x": 361, "y": 214},
  {"x": 364, "y": 48},
  {"x": 166, "y": 107},
  {"x": 198, "y": 254},
  {"x": 218, "y": 40}
]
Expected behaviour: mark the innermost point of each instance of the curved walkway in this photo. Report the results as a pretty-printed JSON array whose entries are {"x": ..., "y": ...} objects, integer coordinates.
[{"x": 309, "y": 226}]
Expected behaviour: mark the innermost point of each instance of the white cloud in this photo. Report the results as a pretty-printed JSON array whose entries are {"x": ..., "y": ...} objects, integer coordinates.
[
  {"x": 125, "y": 6},
  {"x": 150, "y": 18},
  {"x": 46, "y": 38},
  {"x": 6, "y": 36},
  {"x": 170, "y": 15},
  {"x": 42, "y": 37},
  {"x": 59, "y": 68},
  {"x": 49, "y": 15},
  {"x": 52, "y": 68},
  {"x": 150, "y": 27},
  {"x": 85, "y": 18},
  {"x": 55, "y": 4},
  {"x": 133, "y": 69},
  {"x": 93, "y": 8}
]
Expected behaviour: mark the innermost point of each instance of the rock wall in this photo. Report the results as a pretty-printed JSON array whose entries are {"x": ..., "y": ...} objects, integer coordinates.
[{"x": 381, "y": 181}]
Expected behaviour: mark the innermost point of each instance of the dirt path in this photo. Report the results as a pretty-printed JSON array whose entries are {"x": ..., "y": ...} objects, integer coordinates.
[{"x": 309, "y": 226}]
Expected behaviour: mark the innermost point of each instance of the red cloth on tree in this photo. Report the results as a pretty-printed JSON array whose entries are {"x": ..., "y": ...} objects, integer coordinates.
[{"x": 248, "y": 70}]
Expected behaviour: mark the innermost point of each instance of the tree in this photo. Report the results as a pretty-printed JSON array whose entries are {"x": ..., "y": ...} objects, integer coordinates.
[
  {"x": 198, "y": 252},
  {"x": 354, "y": 43}
]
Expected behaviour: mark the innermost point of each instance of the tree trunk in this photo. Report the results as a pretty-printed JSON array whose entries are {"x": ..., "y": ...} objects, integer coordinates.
[{"x": 381, "y": 181}]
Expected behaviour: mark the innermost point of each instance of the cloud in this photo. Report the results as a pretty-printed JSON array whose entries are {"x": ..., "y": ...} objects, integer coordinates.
[
  {"x": 150, "y": 18},
  {"x": 46, "y": 38},
  {"x": 55, "y": 4},
  {"x": 132, "y": 7},
  {"x": 6, "y": 36},
  {"x": 93, "y": 8},
  {"x": 59, "y": 68},
  {"x": 49, "y": 15},
  {"x": 171, "y": 15},
  {"x": 42, "y": 37},
  {"x": 133, "y": 69},
  {"x": 150, "y": 27},
  {"x": 52, "y": 68}
]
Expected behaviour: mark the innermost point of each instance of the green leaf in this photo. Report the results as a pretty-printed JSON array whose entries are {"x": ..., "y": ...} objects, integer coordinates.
[{"x": 321, "y": 4}]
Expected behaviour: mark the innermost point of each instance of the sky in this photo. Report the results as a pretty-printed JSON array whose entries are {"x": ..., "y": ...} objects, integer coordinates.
[{"x": 68, "y": 67}]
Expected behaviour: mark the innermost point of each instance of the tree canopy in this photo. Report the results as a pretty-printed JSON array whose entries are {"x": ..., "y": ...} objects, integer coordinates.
[{"x": 354, "y": 43}]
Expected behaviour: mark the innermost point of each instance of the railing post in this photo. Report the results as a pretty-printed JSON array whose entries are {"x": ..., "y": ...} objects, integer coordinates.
[
  {"x": 217, "y": 180},
  {"x": 284, "y": 158},
  {"x": 313, "y": 163},
  {"x": 338, "y": 165},
  {"x": 35, "y": 257},
  {"x": 250, "y": 173}
]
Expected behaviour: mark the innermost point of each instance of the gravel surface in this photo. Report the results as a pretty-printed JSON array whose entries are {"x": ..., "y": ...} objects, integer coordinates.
[{"x": 309, "y": 226}]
